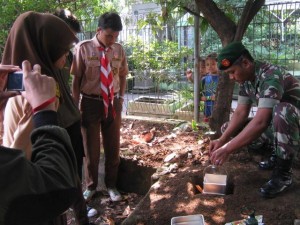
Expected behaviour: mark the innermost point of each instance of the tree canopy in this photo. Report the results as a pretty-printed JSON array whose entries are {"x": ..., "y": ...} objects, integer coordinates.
[{"x": 10, "y": 9}]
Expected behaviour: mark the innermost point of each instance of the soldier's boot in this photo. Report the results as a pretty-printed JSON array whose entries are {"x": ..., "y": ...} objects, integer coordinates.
[
  {"x": 280, "y": 180},
  {"x": 270, "y": 163}
]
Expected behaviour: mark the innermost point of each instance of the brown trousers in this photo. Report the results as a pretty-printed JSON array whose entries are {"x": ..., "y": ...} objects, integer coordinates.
[{"x": 93, "y": 121}]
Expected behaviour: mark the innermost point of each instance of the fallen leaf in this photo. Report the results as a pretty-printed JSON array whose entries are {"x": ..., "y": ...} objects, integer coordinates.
[
  {"x": 127, "y": 211},
  {"x": 199, "y": 188}
]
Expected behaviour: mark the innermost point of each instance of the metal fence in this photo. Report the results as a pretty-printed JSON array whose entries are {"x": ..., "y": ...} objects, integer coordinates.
[{"x": 158, "y": 58}]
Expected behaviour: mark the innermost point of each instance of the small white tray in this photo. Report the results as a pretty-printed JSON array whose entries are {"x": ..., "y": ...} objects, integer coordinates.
[{"x": 188, "y": 220}]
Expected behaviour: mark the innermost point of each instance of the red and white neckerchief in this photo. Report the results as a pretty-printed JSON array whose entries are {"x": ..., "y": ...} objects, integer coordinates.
[{"x": 106, "y": 81}]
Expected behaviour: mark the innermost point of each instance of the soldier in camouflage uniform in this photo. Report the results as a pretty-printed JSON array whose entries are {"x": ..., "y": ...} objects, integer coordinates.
[{"x": 277, "y": 96}]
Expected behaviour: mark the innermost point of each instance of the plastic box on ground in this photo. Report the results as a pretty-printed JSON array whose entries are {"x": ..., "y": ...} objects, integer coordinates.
[
  {"x": 214, "y": 184},
  {"x": 188, "y": 220}
]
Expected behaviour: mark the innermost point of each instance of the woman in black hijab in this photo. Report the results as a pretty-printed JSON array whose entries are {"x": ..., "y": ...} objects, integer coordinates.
[
  {"x": 46, "y": 40},
  {"x": 42, "y": 39}
]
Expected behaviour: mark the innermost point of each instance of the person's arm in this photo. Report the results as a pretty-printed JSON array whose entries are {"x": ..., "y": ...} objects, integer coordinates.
[
  {"x": 77, "y": 70},
  {"x": 76, "y": 90},
  {"x": 45, "y": 187},
  {"x": 18, "y": 125},
  {"x": 123, "y": 72},
  {"x": 251, "y": 132},
  {"x": 4, "y": 95},
  {"x": 122, "y": 85},
  {"x": 189, "y": 75},
  {"x": 4, "y": 70},
  {"x": 237, "y": 122}
]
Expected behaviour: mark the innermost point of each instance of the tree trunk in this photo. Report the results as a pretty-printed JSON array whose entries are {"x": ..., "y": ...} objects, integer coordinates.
[{"x": 228, "y": 31}]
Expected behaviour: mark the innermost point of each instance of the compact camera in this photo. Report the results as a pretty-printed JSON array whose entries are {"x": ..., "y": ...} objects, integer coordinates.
[{"x": 15, "y": 81}]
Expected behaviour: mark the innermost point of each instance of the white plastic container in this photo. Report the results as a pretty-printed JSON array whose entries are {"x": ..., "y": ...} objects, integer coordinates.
[
  {"x": 188, "y": 220},
  {"x": 215, "y": 180},
  {"x": 214, "y": 184}
]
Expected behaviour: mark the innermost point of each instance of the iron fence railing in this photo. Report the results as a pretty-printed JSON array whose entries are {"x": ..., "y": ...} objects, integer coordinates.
[{"x": 164, "y": 91}]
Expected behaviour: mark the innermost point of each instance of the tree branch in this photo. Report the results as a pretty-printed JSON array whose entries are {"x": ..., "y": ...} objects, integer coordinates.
[
  {"x": 250, "y": 10},
  {"x": 190, "y": 11},
  {"x": 224, "y": 26}
]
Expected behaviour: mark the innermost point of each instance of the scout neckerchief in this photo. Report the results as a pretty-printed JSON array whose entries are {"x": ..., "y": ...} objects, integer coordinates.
[{"x": 106, "y": 80}]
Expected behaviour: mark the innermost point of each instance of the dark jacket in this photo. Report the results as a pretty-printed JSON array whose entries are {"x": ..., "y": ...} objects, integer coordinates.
[{"x": 35, "y": 192}]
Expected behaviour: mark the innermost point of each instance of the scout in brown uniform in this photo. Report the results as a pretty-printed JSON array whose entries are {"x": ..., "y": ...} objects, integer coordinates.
[{"x": 97, "y": 114}]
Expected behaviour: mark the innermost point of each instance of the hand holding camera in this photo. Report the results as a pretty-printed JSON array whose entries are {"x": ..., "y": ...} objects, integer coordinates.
[
  {"x": 4, "y": 70},
  {"x": 40, "y": 89}
]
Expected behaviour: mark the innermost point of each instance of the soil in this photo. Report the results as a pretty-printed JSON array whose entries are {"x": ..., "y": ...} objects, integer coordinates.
[{"x": 174, "y": 191}]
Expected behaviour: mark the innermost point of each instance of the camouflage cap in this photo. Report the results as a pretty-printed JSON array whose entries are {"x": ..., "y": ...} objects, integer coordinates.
[{"x": 229, "y": 54}]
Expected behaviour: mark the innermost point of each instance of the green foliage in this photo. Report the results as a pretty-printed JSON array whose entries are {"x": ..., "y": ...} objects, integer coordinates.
[
  {"x": 272, "y": 40},
  {"x": 83, "y": 10},
  {"x": 155, "y": 20},
  {"x": 10, "y": 9},
  {"x": 194, "y": 125},
  {"x": 204, "y": 25},
  {"x": 185, "y": 97},
  {"x": 186, "y": 94},
  {"x": 210, "y": 42},
  {"x": 267, "y": 37},
  {"x": 163, "y": 60}
]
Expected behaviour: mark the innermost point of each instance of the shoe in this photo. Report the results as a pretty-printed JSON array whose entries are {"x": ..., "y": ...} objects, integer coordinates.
[
  {"x": 88, "y": 194},
  {"x": 114, "y": 194},
  {"x": 91, "y": 211},
  {"x": 280, "y": 180}
]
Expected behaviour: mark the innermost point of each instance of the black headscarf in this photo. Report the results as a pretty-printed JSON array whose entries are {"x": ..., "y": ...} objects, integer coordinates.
[{"x": 41, "y": 38}]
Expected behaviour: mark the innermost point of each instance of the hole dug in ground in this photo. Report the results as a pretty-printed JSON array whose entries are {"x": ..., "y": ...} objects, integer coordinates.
[{"x": 134, "y": 177}]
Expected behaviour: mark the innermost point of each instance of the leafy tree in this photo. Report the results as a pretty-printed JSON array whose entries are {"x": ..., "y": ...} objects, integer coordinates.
[
  {"x": 10, "y": 9},
  {"x": 228, "y": 30},
  {"x": 160, "y": 59}
]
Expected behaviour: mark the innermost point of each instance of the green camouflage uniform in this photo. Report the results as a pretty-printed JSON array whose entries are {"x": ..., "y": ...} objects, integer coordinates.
[{"x": 275, "y": 88}]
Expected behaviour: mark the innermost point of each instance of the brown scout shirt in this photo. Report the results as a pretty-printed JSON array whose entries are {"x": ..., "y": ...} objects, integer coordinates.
[{"x": 86, "y": 65}]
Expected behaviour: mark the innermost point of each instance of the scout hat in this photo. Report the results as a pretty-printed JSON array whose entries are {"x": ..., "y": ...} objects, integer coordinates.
[{"x": 229, "y": 54}]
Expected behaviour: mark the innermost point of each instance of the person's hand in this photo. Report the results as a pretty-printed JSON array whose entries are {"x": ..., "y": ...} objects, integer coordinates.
[
  {"x": 218, "y": 151},
  {"x": 189, "y": 74},
  {"x": 118, "y": 104},
  {"x": 220, "y": 155},
  {"x": 4, "y": 70},
  {"x": 39, "y": 89},
  {"x": 215, "y": 144}
]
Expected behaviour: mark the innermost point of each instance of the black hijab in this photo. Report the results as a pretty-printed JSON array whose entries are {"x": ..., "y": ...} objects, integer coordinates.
[{"x": 41, "y": 38}]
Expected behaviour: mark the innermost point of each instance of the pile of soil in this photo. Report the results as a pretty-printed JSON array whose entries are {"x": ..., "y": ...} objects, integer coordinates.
[{"x": 160, "y": 145}]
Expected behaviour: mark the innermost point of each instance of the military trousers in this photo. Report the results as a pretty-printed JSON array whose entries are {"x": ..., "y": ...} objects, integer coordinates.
[{"x": 283, "y": 132}]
